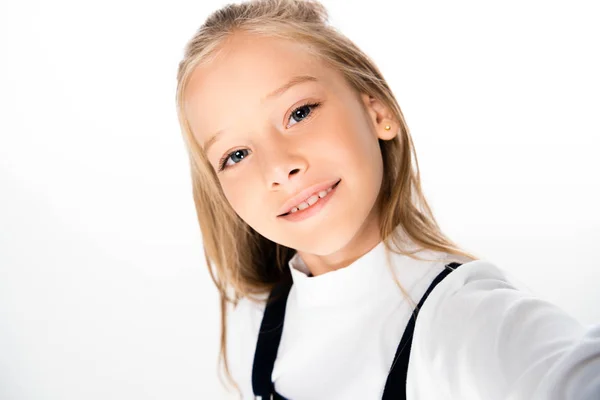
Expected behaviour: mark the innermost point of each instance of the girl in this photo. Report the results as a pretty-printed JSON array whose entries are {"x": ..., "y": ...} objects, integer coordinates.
[{"x": 322, "y": 245}]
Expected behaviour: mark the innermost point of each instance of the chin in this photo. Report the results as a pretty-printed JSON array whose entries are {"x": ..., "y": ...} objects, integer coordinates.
[{"x": 324, "y": 243}]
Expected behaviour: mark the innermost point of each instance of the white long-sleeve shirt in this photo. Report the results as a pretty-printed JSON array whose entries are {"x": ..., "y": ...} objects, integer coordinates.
[{"x": 480, "y": 334}]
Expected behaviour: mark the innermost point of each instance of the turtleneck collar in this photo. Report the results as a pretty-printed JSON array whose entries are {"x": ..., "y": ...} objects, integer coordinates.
[{"x": 367, "y": 276}]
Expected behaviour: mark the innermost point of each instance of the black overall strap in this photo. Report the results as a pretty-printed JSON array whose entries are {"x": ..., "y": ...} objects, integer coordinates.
[
  {"x": 395, "y": 386},
  {"x": 269, "y": 337},
  {"x": 271, "y": 329}
]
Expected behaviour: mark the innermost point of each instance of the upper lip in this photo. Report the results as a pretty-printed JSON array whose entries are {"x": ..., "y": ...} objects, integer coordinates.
[{"x": 305, "y": 194}]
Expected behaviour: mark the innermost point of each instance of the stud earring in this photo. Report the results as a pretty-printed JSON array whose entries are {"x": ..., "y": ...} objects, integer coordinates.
[{"x": 387, "y": 127}]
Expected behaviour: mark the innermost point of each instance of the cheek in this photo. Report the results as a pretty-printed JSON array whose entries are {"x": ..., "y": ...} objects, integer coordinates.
[
  {"x": 350, "y": 133},
  {"x": 240, "y": 196},
  {"x": 349, "y": 146}
]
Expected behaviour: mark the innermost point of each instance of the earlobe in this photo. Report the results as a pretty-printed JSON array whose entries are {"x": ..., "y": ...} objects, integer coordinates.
[
  {"x": 388, "y": 131},
  {"x": 382, "y": 118}
]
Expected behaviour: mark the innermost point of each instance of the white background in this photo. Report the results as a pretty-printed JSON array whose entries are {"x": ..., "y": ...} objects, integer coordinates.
[{"x": 104, "y": 293}]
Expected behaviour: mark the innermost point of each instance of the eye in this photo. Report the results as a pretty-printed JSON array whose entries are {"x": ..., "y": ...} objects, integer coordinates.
[
  {"x": 299, "y": 114},
  {"x": 233, "y": 155},
  {"x": 303, "y": 112}
]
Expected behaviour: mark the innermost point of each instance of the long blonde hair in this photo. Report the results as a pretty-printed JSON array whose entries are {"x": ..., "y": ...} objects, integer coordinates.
[{"x": 241, "y": 262}]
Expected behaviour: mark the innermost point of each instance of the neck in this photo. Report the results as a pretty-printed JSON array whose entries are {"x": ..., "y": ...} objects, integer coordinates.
[{"x": 365, "y": 240}]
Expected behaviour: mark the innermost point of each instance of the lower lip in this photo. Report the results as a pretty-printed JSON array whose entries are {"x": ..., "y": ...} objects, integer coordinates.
[{"x": 312, "y": 210}]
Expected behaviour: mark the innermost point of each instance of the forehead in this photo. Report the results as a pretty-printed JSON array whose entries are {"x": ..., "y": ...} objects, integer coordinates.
[{"x": 246, "y": 69}]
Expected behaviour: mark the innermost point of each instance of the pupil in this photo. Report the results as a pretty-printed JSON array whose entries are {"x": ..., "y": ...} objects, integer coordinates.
[
  {"x": 301, "y": 113},
  {"x": 238, "y": 154}
]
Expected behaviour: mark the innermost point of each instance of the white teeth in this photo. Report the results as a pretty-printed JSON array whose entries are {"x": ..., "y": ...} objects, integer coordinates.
[
  {"x": 302, "y": 206},
  {"x": 311, "y": 200}
]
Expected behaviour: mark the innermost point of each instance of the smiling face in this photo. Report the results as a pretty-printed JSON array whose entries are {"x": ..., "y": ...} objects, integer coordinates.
[{"x": 275, "y": 143}]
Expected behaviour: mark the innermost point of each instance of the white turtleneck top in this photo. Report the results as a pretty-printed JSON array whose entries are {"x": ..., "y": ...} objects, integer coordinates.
[{"x": 481, "y": 334}]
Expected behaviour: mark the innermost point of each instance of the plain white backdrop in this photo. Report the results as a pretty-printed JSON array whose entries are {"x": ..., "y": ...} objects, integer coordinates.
[{"x": 104, "y": 292}]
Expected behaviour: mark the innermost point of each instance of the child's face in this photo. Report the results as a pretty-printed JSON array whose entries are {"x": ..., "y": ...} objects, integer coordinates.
[{"x": 282, "y": 155}]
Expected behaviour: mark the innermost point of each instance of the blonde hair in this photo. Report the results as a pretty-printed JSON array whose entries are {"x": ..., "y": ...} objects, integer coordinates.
[{"x": 241, "y": 262}]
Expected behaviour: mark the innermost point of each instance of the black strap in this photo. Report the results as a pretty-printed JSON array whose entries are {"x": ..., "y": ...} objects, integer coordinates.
[
  {"x": 269, "y": 337},
  {"x": 395, "y": 386},
  {"x": 271, "y": 329}
]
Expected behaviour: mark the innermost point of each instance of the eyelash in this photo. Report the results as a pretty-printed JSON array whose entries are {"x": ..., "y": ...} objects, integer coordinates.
[{"x": 312, "y": 106}]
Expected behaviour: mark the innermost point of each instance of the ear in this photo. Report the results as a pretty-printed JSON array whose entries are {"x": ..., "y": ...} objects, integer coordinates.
[{"x": 381, "y": 117}]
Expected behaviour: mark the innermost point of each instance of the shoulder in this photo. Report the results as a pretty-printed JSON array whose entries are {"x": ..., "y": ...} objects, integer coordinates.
[
  {"x": 475, "y": 289},
  {"x": 243, "y": 324},
  {"x": 448, "y": 323},
  {"x": 477, "y": 276},
  {"x": 483, "y": 333},
  {"x": 247, "y": 310}
]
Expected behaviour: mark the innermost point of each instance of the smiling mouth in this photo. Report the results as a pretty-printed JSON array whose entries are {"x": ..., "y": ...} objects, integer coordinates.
[{"x": 333, "y": 187}]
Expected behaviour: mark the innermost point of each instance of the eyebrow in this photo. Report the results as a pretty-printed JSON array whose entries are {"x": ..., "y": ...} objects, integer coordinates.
[{"x": 275, "y": 93}]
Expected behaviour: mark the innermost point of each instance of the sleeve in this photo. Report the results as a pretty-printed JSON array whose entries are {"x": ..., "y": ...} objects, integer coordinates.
[
  {"x": 483, "y": 335},
  {"x": 243, "y": 324}
]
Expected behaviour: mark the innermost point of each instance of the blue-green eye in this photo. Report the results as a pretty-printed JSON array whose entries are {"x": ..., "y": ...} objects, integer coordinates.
[
  {"x": 299, "y": 114},
  {"x": 234, "y": 154}
]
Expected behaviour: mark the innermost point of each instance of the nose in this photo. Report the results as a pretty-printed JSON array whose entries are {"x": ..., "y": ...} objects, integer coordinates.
[
  {"x": 281, "y": 163},
  {"x": 284, "y": 177}
]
